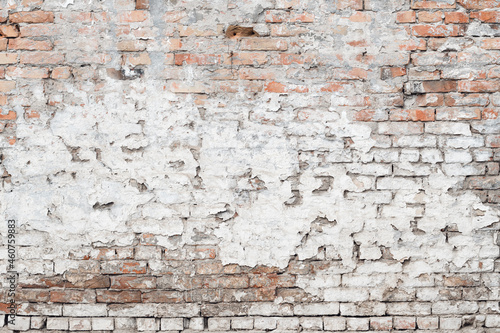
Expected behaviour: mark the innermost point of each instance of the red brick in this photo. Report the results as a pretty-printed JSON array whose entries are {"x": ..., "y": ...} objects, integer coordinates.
[
  {"x": 439, "y": 86},
  {"x": 276, "y": 87},
  {"x": 8, "y": 58},
  {"x": 348, "y": 74},
  {"x": 133, "y": 282},
  {"x": 30, "y": 44},
  {"x": 431, "y": 4},
  {"x": 491, "y": 43},
  {"x": 249, "y": 295},
  {"x": 72, "y": 296},
  {"x": 232, "y": 87},
  {"x": 32, "y": 295},
  {"x": 28, "y": 72},
  {"x": 196, "y": 87},
  {"x": 335, "y": 86},
  {"x": 141, "y": 4},
  {"x": 198, "y": 59},
  {"x": 486, "y": 16},
  {"x": 60, "y": 73},
  {"x": 412, "y": 115},
  {"x": 456, "y": 17},
  {"x": 412, "y": 45},
  {"x": 272, "y": 281},
  {"x": 285, "y": 59},
  {"x": 430, "y": 17},
  {"x": 9, "y": 116},
  {"x": 247, "y": 58},
  {"x": 350, "y": 4},
  {"x": 162, "y": 296},
  {"x": 360, "y": 17},
  {"x": 302, "y": 17},
  {"x": 277, "y": 16},
  {"x": 131, "y": 45},
  {"x": 256, "y": 74},
  {"x": 32, "y": 114},
  {"x": 32, "y": 17},
  {"x": 264, "y": 44},
  {"x": 41, "y": 58},
  {"x": 123, "y": 296},
  {"x": 10, "y": 31},
  {"x": 174, "y": 16},
  {"x": 438, "y": 30},
  {"x": 479, "y": 4},
  {"x": 3, "y": 44},
  {"x": 490, "y": 114},
  {"x": 133, "y": 16},
  {"x": 137, "y": 59},
  {"x": 478, "y": 86},
  {"x": 371, "y": 115},
  {"x": 406, "y": 17},
  {"x": 420, "y": 75}
]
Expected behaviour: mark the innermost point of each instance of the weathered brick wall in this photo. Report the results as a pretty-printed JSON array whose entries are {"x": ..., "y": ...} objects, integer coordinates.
[{"x": 336, "y": 168}]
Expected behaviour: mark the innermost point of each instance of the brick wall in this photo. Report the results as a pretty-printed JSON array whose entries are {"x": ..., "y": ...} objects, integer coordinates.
[{"x": 251, "y": 165}]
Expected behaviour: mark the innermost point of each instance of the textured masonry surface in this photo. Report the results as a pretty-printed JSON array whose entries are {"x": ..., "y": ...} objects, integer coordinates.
[{"x": 334, "y": 169}]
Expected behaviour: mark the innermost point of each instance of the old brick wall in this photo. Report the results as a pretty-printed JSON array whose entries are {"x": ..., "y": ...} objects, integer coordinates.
[{"x": 336, "y": 170}]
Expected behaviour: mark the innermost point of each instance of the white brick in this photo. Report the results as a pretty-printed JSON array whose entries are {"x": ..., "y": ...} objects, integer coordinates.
[
  {"x": 80, "y": 324},
  {"x": 265, "y": 323},
  {"x": 459, "y": 307},
  {"x": 148, "y": 324},
  {"x": 20, "y": 324},
  {"x": 363, "y": 309},
  {"x": 492, "y": 321},
  {"x": 38, "y": 322},
  {"x": 346, "y": 294},
  {"x": 409, "y": 155},
  {"x": 219, "y": 324},
  {"x": 442, "y": 127},
  {"x": 398, "y": 183},
  {"x": 311, "y": 323},
  {"x": 242, "y": 323},
  {"x": 186, "y": 310},
  {"x": 57, "y": 323},
  {"x": 450, "y": 323},
  {"x": 125, "y": 323},
  {"x": 334, "y": 323},
  {"x": 85, "y": 310},
  {"x": 196, "y": 324},
  {"x": 270, "y": 309},
  {"x": 172, "y": 324},
  {"x": 291, "y": 323},
  {"x": 316, "y": 309},
  {"x": 431, "y": 156},
  {"x": 415, "y": 141},
  {"x": 358, "y": 324},
  {"x": 465, "y": 142},
  {"x": 428, "y": 323},
  {"x": 103, "y": 324},
  {"x": 457, "y": 156},
  {"x": 408, "y": 308}
]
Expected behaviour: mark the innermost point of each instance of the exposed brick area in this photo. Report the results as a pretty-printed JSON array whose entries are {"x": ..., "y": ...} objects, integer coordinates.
[{"x": 265, "y": 165}]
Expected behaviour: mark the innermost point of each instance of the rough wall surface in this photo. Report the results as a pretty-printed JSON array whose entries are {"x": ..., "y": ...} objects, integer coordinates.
[{"x": 336, "y": 170}]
